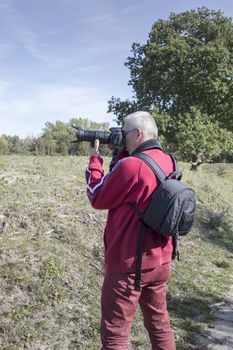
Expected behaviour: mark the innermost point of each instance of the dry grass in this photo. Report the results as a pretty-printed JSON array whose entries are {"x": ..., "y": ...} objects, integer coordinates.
[{"x": 51, "y": 256}]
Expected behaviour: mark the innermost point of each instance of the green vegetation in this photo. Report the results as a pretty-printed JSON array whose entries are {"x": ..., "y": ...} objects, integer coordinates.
[
  {"x": 55, "y": 139},
  {"x": 51, "y": 256},
  {"x": 184, "y": 74}
]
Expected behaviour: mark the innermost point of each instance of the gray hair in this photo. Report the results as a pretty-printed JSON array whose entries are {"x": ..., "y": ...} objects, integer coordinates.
[{"x": 144, "y": 121}]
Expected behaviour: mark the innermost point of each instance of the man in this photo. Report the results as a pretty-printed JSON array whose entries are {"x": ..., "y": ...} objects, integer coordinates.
[{"x": 131, "y": 180}]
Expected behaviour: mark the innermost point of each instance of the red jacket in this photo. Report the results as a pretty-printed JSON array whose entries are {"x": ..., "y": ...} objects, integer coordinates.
[{"x": 131, "y": 180}]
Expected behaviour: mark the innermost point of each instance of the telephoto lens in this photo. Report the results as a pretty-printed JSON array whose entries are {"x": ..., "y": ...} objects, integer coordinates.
[
  {"x": 113, "y": 137},
  {"x": 92, "y": 135}
]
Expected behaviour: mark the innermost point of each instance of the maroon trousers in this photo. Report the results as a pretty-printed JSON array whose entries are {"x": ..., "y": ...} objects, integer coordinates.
[{"x": 119, "y": 302}]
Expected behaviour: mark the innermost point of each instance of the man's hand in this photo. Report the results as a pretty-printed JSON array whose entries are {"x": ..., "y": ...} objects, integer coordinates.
[{"x": 94, "y": 151}]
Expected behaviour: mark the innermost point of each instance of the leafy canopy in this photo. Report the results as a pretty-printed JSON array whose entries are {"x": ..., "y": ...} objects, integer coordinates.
[{"x": 186, "y": 63}]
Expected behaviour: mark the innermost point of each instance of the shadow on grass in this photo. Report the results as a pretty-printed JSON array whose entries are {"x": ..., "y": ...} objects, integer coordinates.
[
  {"x": 192, "y": 315},
  {"x": 216, "y": 227},
  {"x": 222, "y": 239},
  {"x": 189, "y": 314},
  {"x": 190, "y": 310}
]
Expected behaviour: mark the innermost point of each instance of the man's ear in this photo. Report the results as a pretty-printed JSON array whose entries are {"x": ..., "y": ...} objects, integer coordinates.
[{"x": 139, "y": 134}]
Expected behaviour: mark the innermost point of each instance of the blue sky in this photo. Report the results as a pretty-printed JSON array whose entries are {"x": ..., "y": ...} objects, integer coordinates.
[{"x": 63, "y": 59}]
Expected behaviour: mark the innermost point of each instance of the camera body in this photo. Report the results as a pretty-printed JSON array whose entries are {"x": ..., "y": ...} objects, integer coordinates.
[{"x": 113, "y": 137}]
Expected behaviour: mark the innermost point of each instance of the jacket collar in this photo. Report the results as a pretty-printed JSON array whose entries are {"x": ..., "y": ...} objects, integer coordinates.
[{"x": 149, "y": 144}]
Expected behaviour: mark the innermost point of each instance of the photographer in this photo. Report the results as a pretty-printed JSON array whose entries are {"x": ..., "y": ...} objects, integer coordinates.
[{"x": 131, "y": 180}]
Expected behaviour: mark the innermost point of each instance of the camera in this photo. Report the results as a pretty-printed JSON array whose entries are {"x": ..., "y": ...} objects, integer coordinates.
[{"x": 113, "y": 137}]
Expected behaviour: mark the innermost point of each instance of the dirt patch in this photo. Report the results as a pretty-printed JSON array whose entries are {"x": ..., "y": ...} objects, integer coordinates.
[{"x": 219, "y": 335}]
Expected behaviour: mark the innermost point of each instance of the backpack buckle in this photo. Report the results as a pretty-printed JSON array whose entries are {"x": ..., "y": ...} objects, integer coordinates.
[{"x": 177, "y": 175}]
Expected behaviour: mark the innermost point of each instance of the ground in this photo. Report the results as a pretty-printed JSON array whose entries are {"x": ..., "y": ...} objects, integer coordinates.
[
  {"x": 219, "y": 334},
  {"x": 51, "y": 258}
]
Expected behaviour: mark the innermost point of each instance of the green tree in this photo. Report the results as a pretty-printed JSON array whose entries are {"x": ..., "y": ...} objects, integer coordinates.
[
  {"x": 194, "y": 136},
  {"x": 58, "y": 134},
  {"x": 3, "y": 145},
  {"x": 186, "y": 63},
  {"x": 45, "y": 146},
  {"x": 14, "y": 144},
  {"x": 29, "y": 145}
]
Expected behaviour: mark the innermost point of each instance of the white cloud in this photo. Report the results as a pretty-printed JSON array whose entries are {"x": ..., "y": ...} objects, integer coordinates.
[
  {"x": 30, "y": 42},
  {"x": 112, "y": 16},
  {"x": 40, "y": 51},
  {"x": 54, "y": 60},
  {"x": 27, "y": 114}
]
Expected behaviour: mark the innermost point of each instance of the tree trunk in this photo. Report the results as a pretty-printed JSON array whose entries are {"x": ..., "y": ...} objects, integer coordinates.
[{"x": 198, "y": 161}]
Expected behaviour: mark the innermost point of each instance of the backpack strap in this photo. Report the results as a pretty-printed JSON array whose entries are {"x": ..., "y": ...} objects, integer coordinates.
[
  {"x": 137, "y": 281},
  {"x": 176, "y": 174},
  {"x": 175, "y": 165},
  {"x": 176, "y": 252},
  {"x": 153, "y": 165}
]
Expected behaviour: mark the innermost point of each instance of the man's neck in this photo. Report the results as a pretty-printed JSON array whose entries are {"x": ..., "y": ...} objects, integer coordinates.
[{"x": 145, "y": 145}]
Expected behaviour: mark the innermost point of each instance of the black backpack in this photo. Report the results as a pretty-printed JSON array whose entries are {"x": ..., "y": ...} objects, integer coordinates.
[{"x": 170, "y": 212}]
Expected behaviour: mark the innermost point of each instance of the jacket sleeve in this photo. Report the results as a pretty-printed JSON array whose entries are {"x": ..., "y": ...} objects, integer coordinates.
[{"x": 110, "y": 191}]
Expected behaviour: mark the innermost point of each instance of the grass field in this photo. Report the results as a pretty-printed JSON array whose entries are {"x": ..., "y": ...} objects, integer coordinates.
[{"x": 51, "y": 256}]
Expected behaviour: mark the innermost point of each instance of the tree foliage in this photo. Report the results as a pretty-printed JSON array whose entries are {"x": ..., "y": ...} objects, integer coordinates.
[
  {"x": 194, "y": 135},
  {"x": 186, "y": 65}
]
